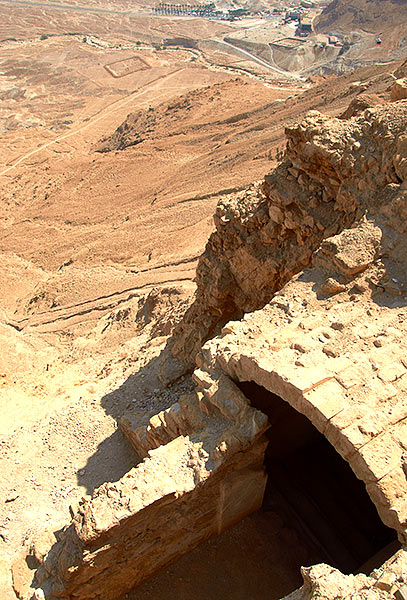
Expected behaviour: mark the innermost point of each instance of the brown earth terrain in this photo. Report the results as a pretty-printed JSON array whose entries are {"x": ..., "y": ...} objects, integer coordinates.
[
  {"x": 114, "y": 156},
  {"x": 372, "y": 16},
  {"x": 84, "y": 278}
]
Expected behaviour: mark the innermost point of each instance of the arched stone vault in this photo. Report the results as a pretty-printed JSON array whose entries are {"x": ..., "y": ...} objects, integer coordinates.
[
  {"x": 376, "y": 462},
  {"x": 345, "y": 374},
  {"x": 336, "y": 359}
]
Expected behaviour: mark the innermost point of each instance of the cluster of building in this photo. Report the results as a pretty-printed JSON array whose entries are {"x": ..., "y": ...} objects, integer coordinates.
[
  {"x": 200, "y": 10},
  {"x": 303, "y": 12}
]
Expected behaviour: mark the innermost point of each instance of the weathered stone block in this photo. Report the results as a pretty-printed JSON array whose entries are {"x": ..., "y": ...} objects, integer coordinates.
[
  {"x": 377, "y": 458},
  {"x": 399, "y": 432},
  {"x": 352, "y": 375},
  {"x": 392, "y": 372},
  {"x": 326, "y": 401},
  {"x": 341, "y": 441},
  {"x": 399, "y": 90},
  {"x": 380, "y": 390},
  {"x": 388, "y": 490},
  {"x": 348, "y": 416}
]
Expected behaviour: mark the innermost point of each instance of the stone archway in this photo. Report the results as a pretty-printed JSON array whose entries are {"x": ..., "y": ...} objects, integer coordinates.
[
  {"x": 353, "y": 416},
  {"x": 317, "y": 491}
]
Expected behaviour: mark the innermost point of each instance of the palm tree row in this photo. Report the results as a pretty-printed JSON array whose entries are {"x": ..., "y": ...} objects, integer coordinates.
[{"x": 184, "y": 9}]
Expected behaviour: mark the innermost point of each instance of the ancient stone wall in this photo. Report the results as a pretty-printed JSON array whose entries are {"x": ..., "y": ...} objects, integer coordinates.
[
  {"x": 333, "y": 171},
  {"x": 333, "y": 344},
  {"x": 190, "y": 488}
]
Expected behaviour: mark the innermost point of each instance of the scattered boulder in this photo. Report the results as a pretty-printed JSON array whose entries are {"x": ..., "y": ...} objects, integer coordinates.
[
  {"x": 399, "y": 90},
  {"x": 358, "y": 105},
  {"x": 323, "y": 582}
]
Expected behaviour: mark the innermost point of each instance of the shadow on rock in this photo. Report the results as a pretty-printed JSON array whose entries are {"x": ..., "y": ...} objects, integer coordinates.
[{"x": 112, "y": 459}]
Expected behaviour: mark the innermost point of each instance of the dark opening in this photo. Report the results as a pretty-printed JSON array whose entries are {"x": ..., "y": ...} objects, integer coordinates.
[{"x": 316, "y": 492}]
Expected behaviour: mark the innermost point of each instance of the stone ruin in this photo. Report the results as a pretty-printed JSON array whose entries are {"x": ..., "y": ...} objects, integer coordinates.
[{"x": 299, "y": 332}]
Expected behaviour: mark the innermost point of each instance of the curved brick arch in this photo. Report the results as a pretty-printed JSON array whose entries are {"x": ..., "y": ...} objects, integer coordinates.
[{"x": 378, "y": 461}]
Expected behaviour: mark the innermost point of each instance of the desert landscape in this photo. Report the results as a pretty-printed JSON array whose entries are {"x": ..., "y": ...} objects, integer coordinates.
[{"x": 178, "y": 228}]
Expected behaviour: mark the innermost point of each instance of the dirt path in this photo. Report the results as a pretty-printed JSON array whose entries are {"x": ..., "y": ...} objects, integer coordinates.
[
  {"x": 288, "y": 75},
  {"x": 118, "y": 104}
]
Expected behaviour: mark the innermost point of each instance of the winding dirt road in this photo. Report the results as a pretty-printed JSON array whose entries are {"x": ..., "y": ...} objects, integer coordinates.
[{"x": 253, "y": 57}]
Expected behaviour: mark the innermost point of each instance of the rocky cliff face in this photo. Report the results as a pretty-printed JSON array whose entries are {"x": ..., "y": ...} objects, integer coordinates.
[
  {"x": 333, "y": 172},
  {"x": 371, "y": 15}
]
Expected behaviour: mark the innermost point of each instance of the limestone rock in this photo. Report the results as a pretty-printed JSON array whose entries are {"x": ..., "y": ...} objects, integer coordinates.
[
  {"x": 5, "y": 580},
  {"x": 351, "y": 251},
  {"x": 399, "y": 90},
  {"x": 358, "y": 105},
  {"x": 41, "y": 545},
  {"x": 322, "y": 582},
  {"x": 334, "y": 170},
  {"x": 331, "y": 286}
]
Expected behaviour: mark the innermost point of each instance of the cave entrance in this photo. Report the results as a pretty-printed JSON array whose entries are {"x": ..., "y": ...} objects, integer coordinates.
[{"x": 316, "y": 492}]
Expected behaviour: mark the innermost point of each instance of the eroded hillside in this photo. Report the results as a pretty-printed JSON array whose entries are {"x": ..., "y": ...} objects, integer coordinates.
[{"x": 371, "y": 15}]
